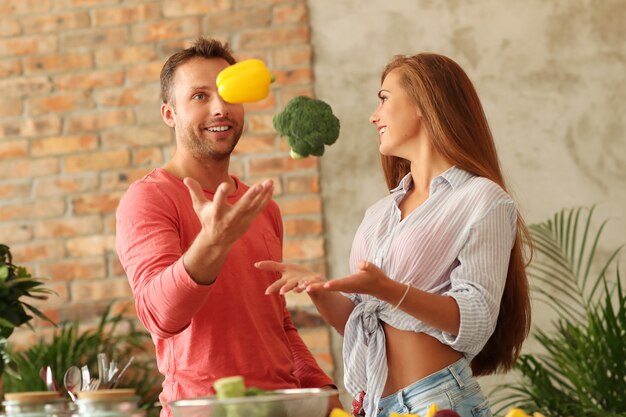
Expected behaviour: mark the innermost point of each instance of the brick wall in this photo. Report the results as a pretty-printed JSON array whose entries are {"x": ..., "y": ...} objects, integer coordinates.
[{"x": 80, "y": 120}]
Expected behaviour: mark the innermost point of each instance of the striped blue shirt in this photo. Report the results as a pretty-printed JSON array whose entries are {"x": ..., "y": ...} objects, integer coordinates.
[{"x": 457, "y": 243}]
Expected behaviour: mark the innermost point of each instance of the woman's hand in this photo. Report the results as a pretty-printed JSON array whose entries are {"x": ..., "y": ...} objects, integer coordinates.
[
  {"x": 293, "y": 277},
  {"x": 332, "y": 306},
  {"x": 369, "y": 280}
]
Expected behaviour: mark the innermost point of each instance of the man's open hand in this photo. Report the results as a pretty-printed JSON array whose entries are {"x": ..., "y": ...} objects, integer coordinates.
[{"x": 224, "y": 222}]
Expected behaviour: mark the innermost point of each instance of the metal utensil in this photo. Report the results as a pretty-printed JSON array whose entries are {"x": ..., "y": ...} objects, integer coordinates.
[
  {"x": 119, "y": 376},
  {"x": 113, "y": 370},
  {"x": 42, "y": 375},
  {"x": 94, "y": 384},
  {"x": 111, "y": 375},
  {"x": 84, "y": 370},
  {"x": 73, "y": 381},
  {"x": 103, "y": 369},
  {"x": 46, "y": 375}
]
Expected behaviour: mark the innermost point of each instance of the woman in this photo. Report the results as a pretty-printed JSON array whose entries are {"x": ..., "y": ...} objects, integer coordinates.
[{"x": 438, "y": 287}]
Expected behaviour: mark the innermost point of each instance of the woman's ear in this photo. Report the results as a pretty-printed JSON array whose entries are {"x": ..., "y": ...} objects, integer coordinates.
[
  {"x": 167, "y": 113},
  {"x": 418, "y": 111}
]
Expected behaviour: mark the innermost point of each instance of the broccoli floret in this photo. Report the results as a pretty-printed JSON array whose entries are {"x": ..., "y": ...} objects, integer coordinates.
[{"x": 309, "y": 124}]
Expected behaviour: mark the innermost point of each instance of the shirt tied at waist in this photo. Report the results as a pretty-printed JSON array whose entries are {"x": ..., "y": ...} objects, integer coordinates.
[{"x": 365, "y": 344}]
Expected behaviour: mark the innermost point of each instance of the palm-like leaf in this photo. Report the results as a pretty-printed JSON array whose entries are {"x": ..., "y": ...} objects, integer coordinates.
[
  {"x": 567, "y": 253},
  {"x": 583, "y": 369}
]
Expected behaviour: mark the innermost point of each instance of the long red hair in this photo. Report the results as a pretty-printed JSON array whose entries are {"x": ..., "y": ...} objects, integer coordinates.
[{"x": 458, "y": 128}]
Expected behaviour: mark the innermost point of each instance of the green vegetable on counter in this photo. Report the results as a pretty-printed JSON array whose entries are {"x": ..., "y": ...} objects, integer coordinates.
[
  {"x": 309, "y": 124},
  {"x": 229, "y": 387},
  {"x": 234, "y": 387}
]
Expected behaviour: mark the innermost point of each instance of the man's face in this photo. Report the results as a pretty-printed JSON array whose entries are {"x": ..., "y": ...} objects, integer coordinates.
[{"x": 205, "y": 125}]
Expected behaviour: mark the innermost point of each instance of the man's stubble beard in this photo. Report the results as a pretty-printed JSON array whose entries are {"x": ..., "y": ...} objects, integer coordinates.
[{"x": 202, "y": 150}]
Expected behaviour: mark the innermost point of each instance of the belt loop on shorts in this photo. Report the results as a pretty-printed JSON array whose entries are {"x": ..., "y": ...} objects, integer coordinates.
[
  {"x": 456, "y": 376},
  {"x": 400, "y": 397}
]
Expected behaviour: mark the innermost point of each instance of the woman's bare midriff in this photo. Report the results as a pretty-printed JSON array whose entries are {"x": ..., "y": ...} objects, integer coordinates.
[{"x": 412, "y": 356}]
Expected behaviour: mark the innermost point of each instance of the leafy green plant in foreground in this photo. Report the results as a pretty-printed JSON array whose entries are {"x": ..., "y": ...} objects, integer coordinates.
[
  {"x": 16, "y": 284},
  {"x": 69, "y": 346},
  {"x": 582, "y": 372}
]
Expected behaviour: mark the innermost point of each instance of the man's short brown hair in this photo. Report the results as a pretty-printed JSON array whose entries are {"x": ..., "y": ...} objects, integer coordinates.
[{"x": 202, "y": 48}]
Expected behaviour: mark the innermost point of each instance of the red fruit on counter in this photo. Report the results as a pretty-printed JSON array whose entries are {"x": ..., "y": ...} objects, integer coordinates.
[{"x": 446, "y": 413}]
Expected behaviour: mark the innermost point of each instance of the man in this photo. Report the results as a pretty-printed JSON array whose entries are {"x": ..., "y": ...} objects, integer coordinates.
[{"x": 188, "y": 235}]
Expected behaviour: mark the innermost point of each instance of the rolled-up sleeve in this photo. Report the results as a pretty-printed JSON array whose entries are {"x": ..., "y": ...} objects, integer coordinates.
[{"x": 477, "y": 283}]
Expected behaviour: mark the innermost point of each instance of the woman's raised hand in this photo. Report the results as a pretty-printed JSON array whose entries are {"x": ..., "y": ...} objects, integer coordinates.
[
  {"x": 369, "y": 279},
  {"x": 294, "y": 277}
]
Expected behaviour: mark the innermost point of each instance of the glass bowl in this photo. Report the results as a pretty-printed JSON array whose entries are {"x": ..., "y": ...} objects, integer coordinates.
[{"x": 303, "y": 402}]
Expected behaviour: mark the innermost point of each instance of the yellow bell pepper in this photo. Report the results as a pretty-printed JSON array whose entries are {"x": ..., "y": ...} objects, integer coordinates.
[
  {"x": 516, "y": 412},
  {"x": 338, "y": 412},
  {"x": 430, "y": 413},
  {"x": 432, "y": 410},
  {"x": 244, "y": 82}
]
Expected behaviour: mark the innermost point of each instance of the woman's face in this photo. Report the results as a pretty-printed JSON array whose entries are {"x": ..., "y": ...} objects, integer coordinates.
[{"x": 397, "y": 118}]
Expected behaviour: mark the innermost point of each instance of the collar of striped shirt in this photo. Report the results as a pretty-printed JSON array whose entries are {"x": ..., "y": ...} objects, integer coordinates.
[{"x": 453, "y": 176}]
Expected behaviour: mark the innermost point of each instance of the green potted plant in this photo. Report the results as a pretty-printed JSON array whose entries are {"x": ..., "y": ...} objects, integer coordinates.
[
  {"x": 115, "y": 335},
  {"x": 581, "y": 371},
  {"x": 16, "y": 284},
  {"x": 68, "y": 346}
]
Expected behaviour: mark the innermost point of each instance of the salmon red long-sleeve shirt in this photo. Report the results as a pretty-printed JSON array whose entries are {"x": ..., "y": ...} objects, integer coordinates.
[{"x": 205, "y": 332}]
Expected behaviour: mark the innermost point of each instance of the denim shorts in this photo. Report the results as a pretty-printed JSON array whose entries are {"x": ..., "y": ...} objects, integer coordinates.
[{"x": 453, "y": 388}]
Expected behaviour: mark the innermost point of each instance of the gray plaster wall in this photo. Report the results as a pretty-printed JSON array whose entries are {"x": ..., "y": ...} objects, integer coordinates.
[{"x": 551, "y": 76}]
